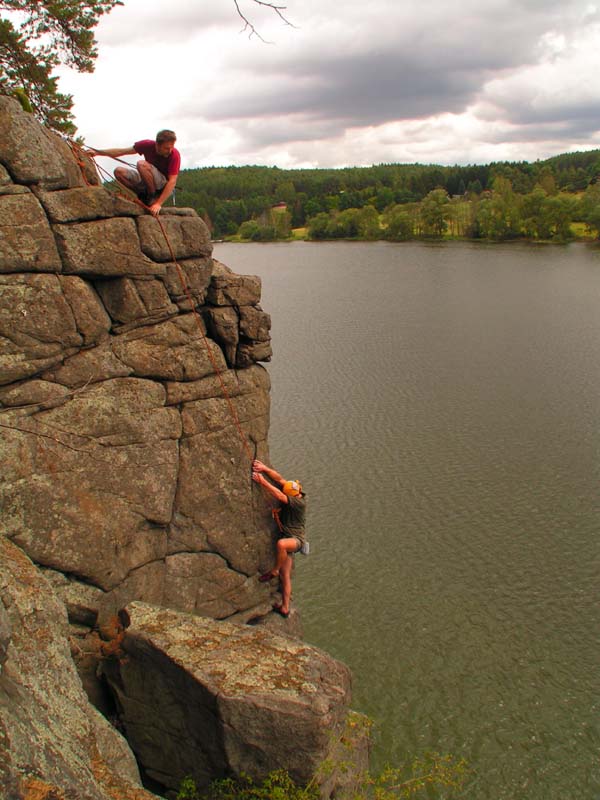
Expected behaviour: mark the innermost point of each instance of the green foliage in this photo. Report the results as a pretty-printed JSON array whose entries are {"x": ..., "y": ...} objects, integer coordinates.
[
  {"x": 252, "y": 231},
  {"x": 276, "y": 786},
  {"x": 399, "y": 224},
  {"x": 425, "y": 777},
  {"x": 434, "y": 209},
  {"x": 368, "y": 223},
  {"x": 499, "y": 216},
  {"x": 413, "y": 200},
  {"x": 422, "y": 778},
  {"x": 547, "y": 217},
  {"x": 590, "y": 209},
  {"x": 273, "y": 225},
  {"x": 318, "y": 226},
  {"x": 48, "y": 32}
]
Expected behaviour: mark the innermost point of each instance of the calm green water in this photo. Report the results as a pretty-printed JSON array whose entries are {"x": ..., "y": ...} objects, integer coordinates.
[{"x": 442, "y": 406}]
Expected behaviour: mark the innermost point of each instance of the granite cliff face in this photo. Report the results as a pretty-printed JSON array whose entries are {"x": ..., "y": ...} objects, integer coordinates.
[
  {"x": 125, "y": 470},
  {"x": 125, "y": 483}
]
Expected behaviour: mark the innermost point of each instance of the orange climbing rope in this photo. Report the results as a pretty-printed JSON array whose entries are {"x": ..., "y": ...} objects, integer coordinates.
[{"x": 77, "y": 152}]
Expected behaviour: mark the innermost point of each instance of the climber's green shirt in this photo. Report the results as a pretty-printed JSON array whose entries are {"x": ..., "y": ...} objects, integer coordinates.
[{"x": 292, "y": 515}]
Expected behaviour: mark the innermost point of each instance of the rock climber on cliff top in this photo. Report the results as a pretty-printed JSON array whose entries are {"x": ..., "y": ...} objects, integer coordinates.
[
  {"x": 154, "y": 178},
  {"x": 290, "y": 517}
]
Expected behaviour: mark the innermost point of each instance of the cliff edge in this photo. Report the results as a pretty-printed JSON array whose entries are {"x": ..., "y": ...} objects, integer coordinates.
[{"x": 131, "y": 403}]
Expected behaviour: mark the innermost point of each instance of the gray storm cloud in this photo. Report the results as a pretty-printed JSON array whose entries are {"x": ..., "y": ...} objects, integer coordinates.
[{"x": 508, "y": 70}]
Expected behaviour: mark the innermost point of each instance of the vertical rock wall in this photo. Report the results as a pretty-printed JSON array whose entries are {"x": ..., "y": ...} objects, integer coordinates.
[{"x": 123, "y": 468}]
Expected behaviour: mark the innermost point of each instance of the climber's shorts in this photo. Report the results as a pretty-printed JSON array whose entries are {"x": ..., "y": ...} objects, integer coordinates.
[
  {"x": 136, "y": 179},
  {"x": 290, "y": 536}
]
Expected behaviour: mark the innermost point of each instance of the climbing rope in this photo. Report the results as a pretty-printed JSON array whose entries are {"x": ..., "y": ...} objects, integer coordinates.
[{"x": 79, "y": 153}]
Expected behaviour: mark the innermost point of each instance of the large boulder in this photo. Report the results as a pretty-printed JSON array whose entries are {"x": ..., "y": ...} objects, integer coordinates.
[
  {"x": 86, "y": 204},
  {"x": 209, "y": 699},
  {"x": 174, "y": 350},
  {"x": 53, "y": 744},
  {"x": 32, "y": 154},
  {"x": 44, "y": 319},
  {"x": 136, "y": 302},
  {"x": 105, "y": 247},
  {"x": 27, "y": 241},
  {"x": 176, "y": 237}
]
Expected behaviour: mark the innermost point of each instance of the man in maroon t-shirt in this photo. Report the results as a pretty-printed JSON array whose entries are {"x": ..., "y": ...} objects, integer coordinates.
[{"x": 154, "y": 178}]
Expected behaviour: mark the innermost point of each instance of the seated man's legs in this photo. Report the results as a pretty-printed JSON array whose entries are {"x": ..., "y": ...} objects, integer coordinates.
[
  {"x": 153, "y": 179},
  {"x": 145, "y": 180},
  {"x": 130, "y": 178}
]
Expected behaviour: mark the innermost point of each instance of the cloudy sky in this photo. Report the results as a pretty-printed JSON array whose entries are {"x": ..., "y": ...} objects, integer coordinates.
[{"x": 354, "y": 82}]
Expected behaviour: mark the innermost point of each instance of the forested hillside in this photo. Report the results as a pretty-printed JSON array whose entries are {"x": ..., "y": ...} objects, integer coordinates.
[{"x": 270, "y": 201}]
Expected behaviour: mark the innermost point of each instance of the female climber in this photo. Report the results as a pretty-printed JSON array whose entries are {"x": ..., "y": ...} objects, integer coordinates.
[{"x": 290, "y": 518}]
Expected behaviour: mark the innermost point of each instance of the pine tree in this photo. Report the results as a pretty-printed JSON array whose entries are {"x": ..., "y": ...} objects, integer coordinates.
[{"x": 38, "y": 35}]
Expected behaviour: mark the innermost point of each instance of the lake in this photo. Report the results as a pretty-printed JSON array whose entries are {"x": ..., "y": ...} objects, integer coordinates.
[{"x": 441, "y": 405}]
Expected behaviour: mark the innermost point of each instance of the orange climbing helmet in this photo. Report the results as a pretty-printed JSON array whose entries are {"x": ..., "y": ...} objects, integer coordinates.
[{"x": 292, "y": 488}]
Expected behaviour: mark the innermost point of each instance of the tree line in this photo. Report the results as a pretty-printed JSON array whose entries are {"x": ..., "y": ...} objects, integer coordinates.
[{"x": 498, "y": 200}]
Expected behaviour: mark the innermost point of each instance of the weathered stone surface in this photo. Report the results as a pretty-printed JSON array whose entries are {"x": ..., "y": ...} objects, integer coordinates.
[
  {"x": 203, "y": 583},
  {"x": 53, "y": 743},
  {"x": 87, "y": 652},
  {"x": 223, "y": 326},
  {"x": 216, "y": 508},
  {"x": 250, "y": 353},
  {"x": 42, "y": 393},
  {"x": 221, "y": 270},
  {"x": 93, "y": 323},
  {"x": 86, "y": 203},
  {"x": 145, "y": 583},
  {"x": 81, "y": 600},
  {"x": 27, "y": 240},
  {"x": 234, "y": 290},
  {"x": 88, "y": 366},
  {"x": 106, "y": 247},
  {"x": 138, "y": 301},
  {"x": 114, "y": 755},
  {"x": 289, "y": 626},
  {"x": 115, "y": 448},
  {"x": 205, "y": 698},
  {"x": 37, "y": 326},
  {"x": 5, "y": 635},
  {"x": 235, "y": 382},
  {"x": 188, "y": 236},
  {"x": 196, "y": 277},
  {"x": 255, "y": 324},
  {"x": 13, "y": 188},
  {"x": 177, "y": 211},
  {"x": 32, "y": 154},
  {"x": 172, "y": 350}
]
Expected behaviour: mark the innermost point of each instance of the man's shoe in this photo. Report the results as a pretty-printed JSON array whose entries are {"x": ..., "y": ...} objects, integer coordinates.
[{"x": 146, "y": 198}]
